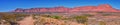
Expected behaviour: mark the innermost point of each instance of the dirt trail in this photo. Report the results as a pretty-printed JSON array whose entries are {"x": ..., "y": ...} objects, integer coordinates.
[{"x": 26, "y": 21}]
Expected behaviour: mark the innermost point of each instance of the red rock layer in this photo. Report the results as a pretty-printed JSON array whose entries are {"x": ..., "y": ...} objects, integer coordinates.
[{"x": 99, "y": 8}]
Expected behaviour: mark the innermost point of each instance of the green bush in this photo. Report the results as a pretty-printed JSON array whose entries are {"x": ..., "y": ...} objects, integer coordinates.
[
  {"x": 102, "y": 23},
  {"x": 56, "y": 17},
  {"x": 87, "y": 15},
  {"x": 106, "y": 14},
  {"x": 5, "y": 16},
  {"x": 45, "y": 15},
  {"x": 11, "y": 17},
  {"x": 81, "y": 19}
]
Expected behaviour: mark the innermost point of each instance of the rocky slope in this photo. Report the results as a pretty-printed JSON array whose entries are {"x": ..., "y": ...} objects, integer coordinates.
[{"x": 99, "y": 8}]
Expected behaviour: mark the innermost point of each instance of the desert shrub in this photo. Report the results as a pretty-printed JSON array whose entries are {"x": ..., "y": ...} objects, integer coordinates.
[
  {"x": 65, "y": 18},
  {"x": 55, "y": 17},
  {"x": 85, "y": 23},
  {"x": 102, "y": 23},
  {"x": 20, "y": 15},
  {"x": 81, "y": 19},
  {"x": 87, "y": 15},
  {"x": 45, "y": 15},
  {"x": 7, "y": 17},
  {"x": 11, "y": 16},
  {"x": 106, "y": 14},
  {"x": 52, "y": 16}
]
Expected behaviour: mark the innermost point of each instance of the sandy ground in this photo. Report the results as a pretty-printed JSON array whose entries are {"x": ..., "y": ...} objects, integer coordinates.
[
  {"x": 27, "y": 21},
  {"x": 30, "y": 21}
]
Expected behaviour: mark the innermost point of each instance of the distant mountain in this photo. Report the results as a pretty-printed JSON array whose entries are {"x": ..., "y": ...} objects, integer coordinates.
[{"x": 99, "y": 8}]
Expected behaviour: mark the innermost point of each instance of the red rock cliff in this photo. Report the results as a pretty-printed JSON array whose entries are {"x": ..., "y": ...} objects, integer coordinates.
[{"x": 99, "y": 8}]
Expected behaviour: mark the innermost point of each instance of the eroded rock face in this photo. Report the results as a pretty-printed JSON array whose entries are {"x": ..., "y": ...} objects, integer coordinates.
[
  {"x": 106, "y": 8},
  {"x": 99, "y": 8}
]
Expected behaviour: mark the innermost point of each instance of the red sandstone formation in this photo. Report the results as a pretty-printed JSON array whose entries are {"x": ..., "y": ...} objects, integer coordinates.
[{"x": 99, "y": 8}]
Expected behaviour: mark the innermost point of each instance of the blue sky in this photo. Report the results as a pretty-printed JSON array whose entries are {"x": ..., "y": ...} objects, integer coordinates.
[{"x": 9, "y": 5}]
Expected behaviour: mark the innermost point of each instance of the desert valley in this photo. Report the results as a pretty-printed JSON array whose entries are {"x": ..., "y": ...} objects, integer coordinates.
[{"x": 103, "y": 14}]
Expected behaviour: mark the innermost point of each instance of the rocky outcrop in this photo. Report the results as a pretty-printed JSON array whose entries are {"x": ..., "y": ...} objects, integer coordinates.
[{"x": 99, "y": 8}]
